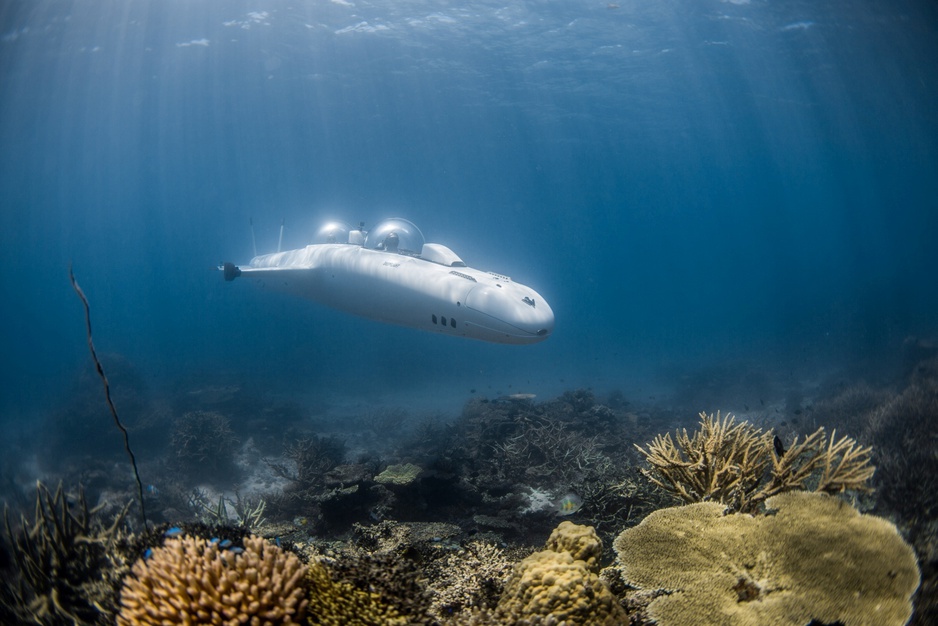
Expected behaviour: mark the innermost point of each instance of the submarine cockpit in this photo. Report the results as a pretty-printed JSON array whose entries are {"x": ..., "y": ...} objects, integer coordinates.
[
  {"x": 396, "y": 235},
  {"x": 333, "y": 232}
]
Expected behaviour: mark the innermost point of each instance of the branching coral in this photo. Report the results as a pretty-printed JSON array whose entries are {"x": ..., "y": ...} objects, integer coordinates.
[
  {"x": 342, "y": 604},
  {"x": 191, "y": 580},
  {"x": 738, "y": 465},
  {"x": 555, "y": 587},
  {"x": 203, "y": 440},
  {"x": 471, "y": 579},
  {"x": 67, "y": 561},
  {"x": 391, "y": 586},
  {"x": 816, "y": 558}
]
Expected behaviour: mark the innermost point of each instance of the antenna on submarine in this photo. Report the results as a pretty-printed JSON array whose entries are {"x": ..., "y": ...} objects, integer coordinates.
[
  {"x": 253, "y": 239},
  {"x": 280, "y": 242}
]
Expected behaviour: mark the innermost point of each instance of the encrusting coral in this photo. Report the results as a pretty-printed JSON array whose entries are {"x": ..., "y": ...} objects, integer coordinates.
[
  {"x": 554, "y": 586},
  {"x": 191, "y": 580},
  {"x": 739, "y": 465},
  {"x": 817, "y": 558}
]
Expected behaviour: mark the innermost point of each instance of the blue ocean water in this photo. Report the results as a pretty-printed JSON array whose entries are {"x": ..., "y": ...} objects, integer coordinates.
[{"x": 691, "y": 184}]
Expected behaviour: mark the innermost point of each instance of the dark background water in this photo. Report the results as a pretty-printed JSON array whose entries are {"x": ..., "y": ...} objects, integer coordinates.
[{"x": 690, "y": 184}]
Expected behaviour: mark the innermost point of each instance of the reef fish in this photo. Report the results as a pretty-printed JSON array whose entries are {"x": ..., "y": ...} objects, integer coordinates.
[{"x": 569, "y": 504}]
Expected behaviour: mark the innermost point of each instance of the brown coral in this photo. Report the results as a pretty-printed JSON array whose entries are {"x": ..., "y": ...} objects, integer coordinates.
[
  {"x": 817, "y": 558},
  {"x": 191, "y": 580},
  {"x": 554, "y": 587},
  {"x": 738, "y": 465},
  {"x": 471, "y": 579},
  {"x": 342, "y": 604}
]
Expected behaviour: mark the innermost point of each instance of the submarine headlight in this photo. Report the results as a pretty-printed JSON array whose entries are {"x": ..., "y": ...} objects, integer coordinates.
[{"x": 332, "y": 232}]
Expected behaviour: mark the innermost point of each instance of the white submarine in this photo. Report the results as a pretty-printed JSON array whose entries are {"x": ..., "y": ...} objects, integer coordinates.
[{"x": 391, "y": 275}]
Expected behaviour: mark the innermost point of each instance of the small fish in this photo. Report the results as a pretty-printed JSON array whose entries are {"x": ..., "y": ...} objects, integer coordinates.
[
  {"x": 214, "y": 540},
  {"x": 224, "y": 545},
  {"x": 175, "y": 531},
  {"x": 569, "y": 504},
  {"x": 152, "y": 490},
  {"x": 515, "y": 397},
  {"x": 236, "y": 550},
  {"x": 277, "y": 541},
  {"x": 300, "y": 521},
  {"x": 147, "y": 553},
  {"x": 779, "y": 447}
]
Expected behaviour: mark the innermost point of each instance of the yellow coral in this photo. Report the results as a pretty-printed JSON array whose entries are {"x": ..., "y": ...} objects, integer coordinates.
[
  {"x": 816, "y": 558},
  {"x": 190, "y": 580},
  {"x": 580, "y": 541},
  {"x": 403, "y": 474},
  {"x": 341, "y": 604},
  {"x": 554, "y": 587}
]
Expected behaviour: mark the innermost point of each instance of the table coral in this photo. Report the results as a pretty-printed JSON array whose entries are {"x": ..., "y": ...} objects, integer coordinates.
[
  {"x": 190, "y": 580},
  {"x": 816, "y": 558},
  {"x": 403, "y": 474},
  {"x": 555, "y": 587}
]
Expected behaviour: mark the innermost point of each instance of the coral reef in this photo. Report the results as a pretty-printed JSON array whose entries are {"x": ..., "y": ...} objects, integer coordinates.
[
  {"x": 402, "y": 474},
  {"x": 486, "y": 464},
  {"x": 66, "y": 562},
  {"x": 191, "y": 580},
  {"x": 555, "y": 587},
  {"x": 203, "y": 441},
  {"x": 343, "y": 604},
  {"x": 578, "y": 541},
  {"x": 815, "y": 558},
  {"x": 737, "y": 464},
  {"x": 390, "y": 585},
  {"x": 469, "y": 580}
]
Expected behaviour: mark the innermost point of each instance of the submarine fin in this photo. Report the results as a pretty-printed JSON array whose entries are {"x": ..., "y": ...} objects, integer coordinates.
[{"x": 231, "y": 270}]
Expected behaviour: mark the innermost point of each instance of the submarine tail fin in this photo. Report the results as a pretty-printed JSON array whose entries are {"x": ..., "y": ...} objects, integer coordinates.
[{"x": 231, "y": 271}]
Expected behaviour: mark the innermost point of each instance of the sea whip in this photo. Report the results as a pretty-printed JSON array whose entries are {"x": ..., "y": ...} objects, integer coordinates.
[{"x": 107, "y": 395}]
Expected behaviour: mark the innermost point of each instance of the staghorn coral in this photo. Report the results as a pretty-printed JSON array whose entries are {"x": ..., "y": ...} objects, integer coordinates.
[
  {"x": 816, "y": 558},
  {"x": 554, "y": 587},
  {"x": 191, "y": 580},
  {"x": 738, "y": 465},
  {"x": 66, "y": 562}
]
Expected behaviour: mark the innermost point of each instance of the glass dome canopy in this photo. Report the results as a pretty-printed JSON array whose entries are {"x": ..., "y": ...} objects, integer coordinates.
[
  {"x": 332, "y": 232},
  {"x": 395, "y": 235}
]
